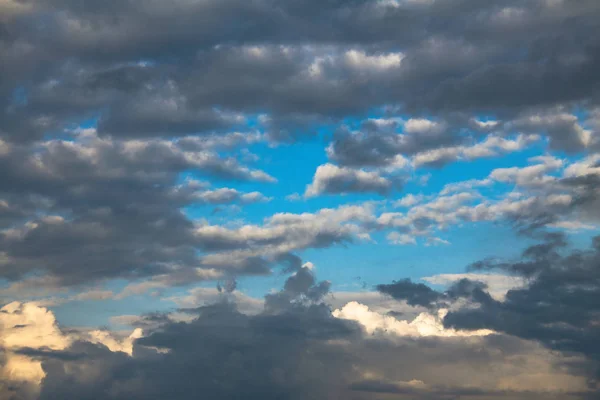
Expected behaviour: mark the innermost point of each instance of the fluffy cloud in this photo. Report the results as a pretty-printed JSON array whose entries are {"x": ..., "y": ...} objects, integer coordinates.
[
  {"x": 423, "y": 325},
  {"x": 331, "y": 179}
]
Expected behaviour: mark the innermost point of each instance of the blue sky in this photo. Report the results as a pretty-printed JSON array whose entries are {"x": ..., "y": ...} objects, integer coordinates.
[{"x": 357, "y": 266}]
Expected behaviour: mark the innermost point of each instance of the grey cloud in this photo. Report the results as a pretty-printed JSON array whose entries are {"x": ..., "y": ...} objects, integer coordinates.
[
  {"x": 263, "y": 65},
  {"x": 263, "y": 356},
  {"x": 415, "y": 294},
  {"x": 436, "y": 143},
  {"x": 378, "y": 143},
  {"x": 440, "y": 392},
  {"x": 301, "y": 288},
  {"x": 558, "y": 306},
  {"x": 298, "y": 351},
  {"x": 92, "y": 208}
]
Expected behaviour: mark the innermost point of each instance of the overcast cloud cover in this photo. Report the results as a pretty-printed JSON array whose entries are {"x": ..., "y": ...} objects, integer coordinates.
[{"x": 299, "y": 199}]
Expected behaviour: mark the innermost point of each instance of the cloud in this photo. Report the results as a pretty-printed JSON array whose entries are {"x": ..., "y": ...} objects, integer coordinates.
[
  {"x": 28, "y": 326},
  {"x": 441, "y": 69},
  {"x": 331, "y": 179},
  {"x": 360, "y": 60},
  {"x": 409, "y": 200},
  {"x": 199, "y": 297},
  {"x": 497, "y": 285},
  {"x": 415, "y": 294},
  {"x": 395, "y": 143},
  {"x": 253, "y": 248},
  {"x": 400, "y": 238},
  {"x": 555, "y": 307},
  {"x": 423, "y": 325},
  {"x": 291, "y": 348},
  {"x": 492, "y": 146},
  {"x": 105, "y": 200},
  {"x": 378, "y": 142}
]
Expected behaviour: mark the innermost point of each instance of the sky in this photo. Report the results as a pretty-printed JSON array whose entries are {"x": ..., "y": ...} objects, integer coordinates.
[{"x": 299, "y": 199}]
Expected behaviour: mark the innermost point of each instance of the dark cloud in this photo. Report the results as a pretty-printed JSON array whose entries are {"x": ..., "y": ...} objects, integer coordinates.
[
  {"x": 415, "y": 294},
  {"x": 287, "y": 59},
  {"x": 221, "y": 353},
  {"x": 95, "y": 209},
  {"x": 558, "y": 307},
  {"x": 300, "y": 289},
  {"x": 298, "y": 351}
]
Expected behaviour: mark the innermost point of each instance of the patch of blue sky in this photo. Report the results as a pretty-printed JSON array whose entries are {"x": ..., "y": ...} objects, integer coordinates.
[
  {"x": 66, "y": 133},
  {"x": 381, "y": 261},
  {"x": 98, "y": 313}
]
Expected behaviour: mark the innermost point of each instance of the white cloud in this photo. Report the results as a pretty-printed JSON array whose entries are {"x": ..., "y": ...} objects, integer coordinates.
[
  {"x": 530, "y": 175},
  {"x": 465, "y": 185},
  {"x": 26, "y": 325},
  {"x": 423, "y": 325},
  {"x": 409, "y": 200},
  {"x": 294, "y": 197},
  {"x": 113, "y": 343},
  {"x": 588, "y": 166},
  {"x": 421, "y": 126},
  {"x": 400, "y": 238},
  {"x": 361, "y": 60},
  {"x": 330, "y": 178},
  {"x": 31, "y": 326},
  {"x": 573, "y": 226},
  {"x": 490, "y": 147},
  {"x": 435, "y": 241}
]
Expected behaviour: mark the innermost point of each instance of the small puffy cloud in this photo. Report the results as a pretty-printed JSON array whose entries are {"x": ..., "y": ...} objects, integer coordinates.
[
  {"x": 409, "y": 200},
  {"x": 435, "y": 241},
  {"x": 227, "y": 195},
  {"x": 378, "y": 62},
  {"x": 490, "y": 147},
  {"x": 331, "y": 179},
  {"x": 113, "y": 343},
  {"x": 401, "y": 238},
  {"x": 294, "y": 197},
  {"x": 531, "y": 175},
  {"x": 465, "y": 185}
]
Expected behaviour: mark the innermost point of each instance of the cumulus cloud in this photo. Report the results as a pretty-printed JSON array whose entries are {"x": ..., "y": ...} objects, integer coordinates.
[
  {"x": 331, "y": 179},
  {"x": 28, "y": 326},
  {"x": 422, "y": 326}
]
